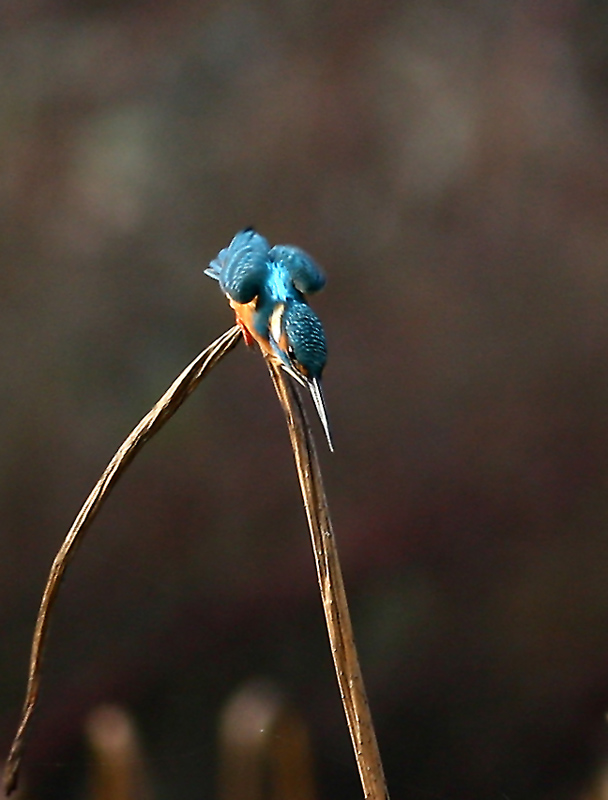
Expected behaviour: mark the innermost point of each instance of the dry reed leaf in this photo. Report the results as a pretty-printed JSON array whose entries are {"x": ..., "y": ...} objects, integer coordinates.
[
  {"x": 154, "y": 420},
  {"x": 329, "y": 574},
  {"x": 333, "y": 596}
]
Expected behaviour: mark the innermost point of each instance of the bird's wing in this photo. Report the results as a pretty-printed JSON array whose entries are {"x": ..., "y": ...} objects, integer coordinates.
[
  {"x": 305, "y": 273},
  {"x": 241, "y": 267},
  {"x": 244, "y": 266}
]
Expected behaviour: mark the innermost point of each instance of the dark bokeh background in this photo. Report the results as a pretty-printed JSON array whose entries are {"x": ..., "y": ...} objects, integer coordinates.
[{"x": 447, "y": 163}]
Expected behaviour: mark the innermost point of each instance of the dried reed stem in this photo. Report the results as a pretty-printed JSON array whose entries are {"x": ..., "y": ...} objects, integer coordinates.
[
  {"x": 149, "y": 425},
  {"x": 335, "y": 606}
]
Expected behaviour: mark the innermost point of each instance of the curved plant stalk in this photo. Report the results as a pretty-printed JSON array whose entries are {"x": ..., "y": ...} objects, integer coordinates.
[
  {"x": 333, "y": 596},
  {"x": 154, "y": 420}
]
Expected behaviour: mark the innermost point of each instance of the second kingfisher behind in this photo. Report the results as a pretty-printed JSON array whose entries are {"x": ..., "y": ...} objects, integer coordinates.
[{"x": 266, "y": 287}]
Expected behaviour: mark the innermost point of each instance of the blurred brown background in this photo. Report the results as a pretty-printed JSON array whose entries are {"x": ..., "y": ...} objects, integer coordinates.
[{"x": 447, "y": 163}]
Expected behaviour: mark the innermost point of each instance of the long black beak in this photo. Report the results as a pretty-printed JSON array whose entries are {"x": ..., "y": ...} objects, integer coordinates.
[{"x": 314, "y": 386}]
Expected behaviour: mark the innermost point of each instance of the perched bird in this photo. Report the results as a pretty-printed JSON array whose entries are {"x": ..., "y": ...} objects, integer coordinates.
[{"x": 266, "y": 286}]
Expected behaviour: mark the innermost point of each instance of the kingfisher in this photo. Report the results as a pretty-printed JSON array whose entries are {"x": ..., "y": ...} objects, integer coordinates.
[{"x": 266, "y": 287}]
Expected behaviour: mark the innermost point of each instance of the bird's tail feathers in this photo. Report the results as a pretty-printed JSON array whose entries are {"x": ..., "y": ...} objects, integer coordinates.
[{"x": 215, "y": 267}]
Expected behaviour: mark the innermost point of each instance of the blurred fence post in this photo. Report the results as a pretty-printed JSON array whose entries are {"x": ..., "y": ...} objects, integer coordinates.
[{"x": 264, "y": 747}]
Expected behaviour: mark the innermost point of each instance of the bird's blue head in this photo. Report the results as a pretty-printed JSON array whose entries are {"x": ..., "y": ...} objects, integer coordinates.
[
  {"x": 305, "y": 338},
  {"x": 306, "y": 353}
]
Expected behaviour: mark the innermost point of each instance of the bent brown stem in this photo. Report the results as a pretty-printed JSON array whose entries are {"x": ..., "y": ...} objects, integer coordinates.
[
  {"x": 154, "y": 420},
  {"x": 333, "y": 595}
]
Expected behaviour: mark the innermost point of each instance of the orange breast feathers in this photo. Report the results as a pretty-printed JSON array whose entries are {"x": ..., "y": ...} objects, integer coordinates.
[
  {"x": 244, "y": 317},
  {"x": 244, "y": 313}
]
